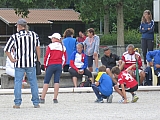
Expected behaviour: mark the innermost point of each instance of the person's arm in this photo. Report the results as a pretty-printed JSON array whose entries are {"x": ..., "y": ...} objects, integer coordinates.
[
  {"x": 150, "y": 55},
  {"x": 64, "y": 57},
  {"x": 46, "y": 56},
  {"x": 72, "y": 62},
  {"x": 124, "y": 93},
  {"x": 96, "y": 48},
  {"x": 10, "y": 57},
  {"x": 142, "y": 29},
  {"x": 85, "y": 62},
  {"x": 139, "y": 60},
  {"x": 38, "y": 52},
  {"x": 133, "y": 66},
  {"x": 151, "y": 29}
]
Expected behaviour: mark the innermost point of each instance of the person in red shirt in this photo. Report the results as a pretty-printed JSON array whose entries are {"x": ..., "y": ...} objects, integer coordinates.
[
  {"x": 81, "y": 37},
  {"x": 54, "y": 61},
  {"x": 130, "y": 57},
  {"x": 126, "y": 83}
]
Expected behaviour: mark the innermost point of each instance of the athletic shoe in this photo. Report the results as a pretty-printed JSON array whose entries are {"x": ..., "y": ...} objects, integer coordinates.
[
  {"x": 135, "y": 98},
  {"x": 36, "y": 106},
  {"x": 122, "y": 100},
  {"x": 24, "y": 82},
  {"x": 99, "y": 101},
  {"x": 96, "y": 70},
  {"x": 158, "y": 74},
  {"x": 55, "y": 101},
  {"x": 16, "y": 106},
  {"x": 42, "y": 101},
  {"x": 109, "y": 99}
]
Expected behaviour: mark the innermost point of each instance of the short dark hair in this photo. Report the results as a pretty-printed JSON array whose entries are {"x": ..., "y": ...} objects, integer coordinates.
[
  {"x": 106, "y": 48},
  {"x": 115, "y": 70},
  {"x": 102, "y": 68},
  {"x": 91, "y": 30}
]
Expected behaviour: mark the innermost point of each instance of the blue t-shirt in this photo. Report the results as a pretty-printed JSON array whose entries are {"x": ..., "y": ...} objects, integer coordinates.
[
  {"x": 105, "y": 85},
  {"x": 70, "y": 44}
]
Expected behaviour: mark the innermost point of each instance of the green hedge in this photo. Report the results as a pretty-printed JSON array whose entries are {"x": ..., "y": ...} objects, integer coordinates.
[{"x": 130, "y": 37}]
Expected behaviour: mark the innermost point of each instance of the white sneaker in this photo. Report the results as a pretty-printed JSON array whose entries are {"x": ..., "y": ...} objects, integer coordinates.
[
  {"x": 109, "y": 99},
  {"x": 122, "y": 100},
  {"x": 158, "y": 74}
]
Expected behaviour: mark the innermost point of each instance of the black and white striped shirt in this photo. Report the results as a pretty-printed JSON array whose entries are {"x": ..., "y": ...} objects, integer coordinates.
[{"x": 24, "y": 44}]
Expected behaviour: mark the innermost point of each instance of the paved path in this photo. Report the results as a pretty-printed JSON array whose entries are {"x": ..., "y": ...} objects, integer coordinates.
[{"x": 81, "y": 106}]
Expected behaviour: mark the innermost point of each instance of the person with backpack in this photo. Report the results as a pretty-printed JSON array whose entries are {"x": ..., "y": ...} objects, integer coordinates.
[{"x": 78, "y": 64}]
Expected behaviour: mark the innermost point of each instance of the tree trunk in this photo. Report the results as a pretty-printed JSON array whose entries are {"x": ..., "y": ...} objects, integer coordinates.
[
  {"x": 106, "y": 20},
  {"x": 120, "y": 29}
]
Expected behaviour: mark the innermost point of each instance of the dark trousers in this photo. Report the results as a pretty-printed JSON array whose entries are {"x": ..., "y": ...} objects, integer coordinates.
[
  {"x": 65, "y": 68},
  {"x": 96, "y": 91},
  {"x": 74, "y": 73},
  {"x": 147, "y": 45}
]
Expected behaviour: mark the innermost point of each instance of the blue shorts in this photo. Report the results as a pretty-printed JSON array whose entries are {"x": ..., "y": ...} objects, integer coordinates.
[{"x": 55, "y": 69}]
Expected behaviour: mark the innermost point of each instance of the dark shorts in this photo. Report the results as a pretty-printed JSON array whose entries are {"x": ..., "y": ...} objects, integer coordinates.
[
  {"x": 74, "y": 73},
  {"x": 90, "y": 61},
  {"x": 133, "y": 89},
  {"x": 55, "y": 69}
]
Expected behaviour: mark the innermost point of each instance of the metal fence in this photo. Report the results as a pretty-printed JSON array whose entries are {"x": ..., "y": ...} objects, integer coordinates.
[{"x": 114, "y": 48}]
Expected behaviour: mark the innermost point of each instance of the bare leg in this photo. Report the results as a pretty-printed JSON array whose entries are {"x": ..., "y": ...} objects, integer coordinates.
[
  {"x": 142, "y": 76},
  {"x": 45, "y": 89},
  {"x": 95, "y": 55},
  {"x": 74, "y": 81},
  {"x": 56, "y": 89},
  {"x": 121, "y": 65},
  {"x": 91, "y": 80}
]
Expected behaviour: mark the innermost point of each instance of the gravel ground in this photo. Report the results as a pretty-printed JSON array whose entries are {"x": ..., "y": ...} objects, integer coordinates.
[{"x": 81, "y": 106}]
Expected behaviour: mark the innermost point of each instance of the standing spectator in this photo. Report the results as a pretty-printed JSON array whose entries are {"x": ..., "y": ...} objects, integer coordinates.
[
  {"x": 147, "y": 30},
  {"x": 10, "y": 70},
  {"x": 155, "y": 63},
  {"x": 27, "y": 46},
  {"x": 81, "y": 37},
  {"x": 130, "y": 57},
  {"x": 79, "y": 64},
  {"x": 70, "y": 44},
  {"x": 91, "y": 45},
  {"x": 53, "y": 62}
]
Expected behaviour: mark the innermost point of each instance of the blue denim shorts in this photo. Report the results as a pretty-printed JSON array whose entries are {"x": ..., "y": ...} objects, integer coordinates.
[{"x": 55, "y": 69}]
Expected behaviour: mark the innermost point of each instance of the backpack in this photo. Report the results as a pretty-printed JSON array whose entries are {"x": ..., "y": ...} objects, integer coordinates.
[
  {"x": 86, "y": 83},
  {"x": 148, "y": 77}
]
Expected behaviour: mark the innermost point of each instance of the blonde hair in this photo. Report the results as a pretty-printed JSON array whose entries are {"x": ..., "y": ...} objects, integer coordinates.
[{"x": 143, "y": 20}]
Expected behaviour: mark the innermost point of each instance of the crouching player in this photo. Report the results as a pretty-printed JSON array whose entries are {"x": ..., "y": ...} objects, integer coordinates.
[
  {"x": 103, "y": 86},
  {"x": 126, "y": 83}
]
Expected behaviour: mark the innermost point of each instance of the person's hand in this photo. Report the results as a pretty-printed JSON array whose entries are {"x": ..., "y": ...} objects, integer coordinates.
[
  {"x": 80, "y": 71},
  {"x": 149, "y": 28},
  {"x": 96, "y": 83},
  {"x": 136, "y": 56},
  {"x": 142, "y": 28},
  {"x": 125, "y": 101},
  {"x": 120, "y": 62},
  {"x": 157, "y": 65},
  {"x": 151, "y": 64},
  {"x": 13, "y": 60}
]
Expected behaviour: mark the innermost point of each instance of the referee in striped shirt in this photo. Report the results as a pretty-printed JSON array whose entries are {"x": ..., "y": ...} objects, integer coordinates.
[{"x": 27, "y": 50}]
